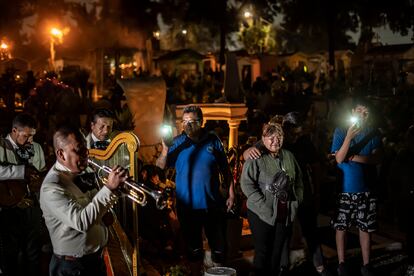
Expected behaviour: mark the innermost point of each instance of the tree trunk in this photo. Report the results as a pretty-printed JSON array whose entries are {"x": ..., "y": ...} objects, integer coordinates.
[
  {"x": 331, "y": 38},
  {"x": 223, "y": 29}
]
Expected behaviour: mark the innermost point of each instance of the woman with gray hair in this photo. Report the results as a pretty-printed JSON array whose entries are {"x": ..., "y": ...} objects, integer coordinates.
[{"x": 273, "y": 187}]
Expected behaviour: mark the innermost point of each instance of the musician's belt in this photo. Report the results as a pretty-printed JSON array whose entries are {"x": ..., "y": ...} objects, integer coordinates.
[{"x": 98, "y": 254}]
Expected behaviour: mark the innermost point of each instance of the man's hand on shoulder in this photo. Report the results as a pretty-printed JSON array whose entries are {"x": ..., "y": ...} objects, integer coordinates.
[{"x": 252, "y": 153}]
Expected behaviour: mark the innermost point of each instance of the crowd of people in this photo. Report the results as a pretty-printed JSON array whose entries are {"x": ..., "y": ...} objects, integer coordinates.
[{"x": 280, "y": 181}]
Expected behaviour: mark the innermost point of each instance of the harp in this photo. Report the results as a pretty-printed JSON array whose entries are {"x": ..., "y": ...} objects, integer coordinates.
[{"x": 122, "y": 252}]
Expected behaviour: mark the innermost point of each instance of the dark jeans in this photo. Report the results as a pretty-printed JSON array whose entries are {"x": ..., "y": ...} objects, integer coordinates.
[
  {"x": 308, "y": 223},
  {"x": 192, "y": 223},
  {"x": 269, "y": 244},
  {"x": 20, "y": 243},
  {"x": 89, "y": 265}
]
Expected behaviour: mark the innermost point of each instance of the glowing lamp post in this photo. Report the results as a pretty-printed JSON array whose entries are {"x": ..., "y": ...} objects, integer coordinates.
[
  {"x": 4, "y": 51},
  {"x": 248, "y": 14},
  {"x": 56, "y": 36}
]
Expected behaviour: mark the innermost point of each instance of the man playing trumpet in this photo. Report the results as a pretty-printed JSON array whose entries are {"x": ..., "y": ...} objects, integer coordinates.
[{"x": 74, "y": 218}]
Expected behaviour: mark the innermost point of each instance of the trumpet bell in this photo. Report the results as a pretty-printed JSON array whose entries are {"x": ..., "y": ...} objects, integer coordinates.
[{"x": 133, "y": 190}]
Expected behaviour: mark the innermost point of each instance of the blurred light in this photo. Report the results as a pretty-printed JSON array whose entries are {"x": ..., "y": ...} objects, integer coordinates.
[
  {"x": 283, "y": 78},
  {"x": 165, "y": 130},
  {"x": 4, "y": 45},
  {"x": 157, "y": 34},
  {"x": 305, "y": 68},
  {"x": 56, "y": 32},
  {"x": 184, "y": 32},
  {"x": 247, "y": 14},
  {"x": 354, "y": 119}
]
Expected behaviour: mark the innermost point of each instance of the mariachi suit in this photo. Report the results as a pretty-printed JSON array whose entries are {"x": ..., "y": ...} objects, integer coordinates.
[
  {"x": 74, "y": 220},
  {"x": 20, "y": 225},
  {"x": 91, "y": 140}
]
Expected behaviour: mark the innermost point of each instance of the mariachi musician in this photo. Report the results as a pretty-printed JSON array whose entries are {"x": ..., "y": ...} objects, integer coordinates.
[{"x": 21, "y": 164}]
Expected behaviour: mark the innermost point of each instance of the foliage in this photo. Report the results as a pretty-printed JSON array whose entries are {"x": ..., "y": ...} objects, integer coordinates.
[
  {"x": 322, "y": 24},
  {"x": 258, "y": 39},
  {"x": 218, "y": 16},
  {"x": 177, "y": 270}
]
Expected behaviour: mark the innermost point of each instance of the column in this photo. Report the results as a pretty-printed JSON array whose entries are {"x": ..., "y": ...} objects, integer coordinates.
[{"x": 233, "y": 132}]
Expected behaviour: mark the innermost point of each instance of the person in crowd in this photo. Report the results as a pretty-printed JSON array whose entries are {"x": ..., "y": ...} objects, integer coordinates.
[
  {"x": 199, "y": 159},
  {"x": 21, "y": 161},
  {"x": 357, "y": 150},
  {"x": 73, "y": 218},
  {"x": 273, "y": 186},
  {"x": 299, "y": 143},
  {"x": 156, "y": 225},
  {"x": 101, "y": 129},
  {"x": 400, "y": 180}
]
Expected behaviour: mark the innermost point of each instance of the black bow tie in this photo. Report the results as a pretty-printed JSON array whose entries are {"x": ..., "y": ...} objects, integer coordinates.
[
  {"x": 86, "y": 181},
  {"x": 101, "y": 145},
  {"x": 25, "y": 153}
]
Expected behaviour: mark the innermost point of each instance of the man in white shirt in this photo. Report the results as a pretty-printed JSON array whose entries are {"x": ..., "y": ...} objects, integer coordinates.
[
  {"x": 101, "y": 129},
  {"x": 21, "y": 161},
  {"x": 74, "y": 218}
]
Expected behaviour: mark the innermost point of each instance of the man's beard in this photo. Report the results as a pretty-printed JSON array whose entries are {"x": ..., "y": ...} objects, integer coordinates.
[{"x": 192, "y": 130}]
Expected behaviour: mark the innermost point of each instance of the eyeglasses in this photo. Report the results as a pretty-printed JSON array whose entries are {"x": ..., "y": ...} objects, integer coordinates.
[{"x": 186, "y": 122}]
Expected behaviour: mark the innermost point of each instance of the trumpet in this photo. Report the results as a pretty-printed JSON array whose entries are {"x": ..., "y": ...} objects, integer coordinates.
[{"x": 135, "y": 191}]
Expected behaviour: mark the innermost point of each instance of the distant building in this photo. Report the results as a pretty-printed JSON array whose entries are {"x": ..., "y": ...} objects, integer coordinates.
[
  {"x": 186, "y": 61},
  {"x": 20, "y": 66},
  {"x": 253, "y": 66},
  {"x": 390, "y": 65}
]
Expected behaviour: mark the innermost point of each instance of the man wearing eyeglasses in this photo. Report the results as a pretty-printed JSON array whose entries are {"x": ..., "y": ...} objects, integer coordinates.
[{"x": 199, "y": 160}]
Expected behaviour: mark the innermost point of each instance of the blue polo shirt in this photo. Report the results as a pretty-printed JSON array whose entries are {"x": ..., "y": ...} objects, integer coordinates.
[
  {"x": 356, "y": 176},
  {"x": 198, "y": 167}
]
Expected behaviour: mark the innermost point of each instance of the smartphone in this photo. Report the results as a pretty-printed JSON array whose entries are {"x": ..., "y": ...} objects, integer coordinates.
[{"x": 167, "y": 134}]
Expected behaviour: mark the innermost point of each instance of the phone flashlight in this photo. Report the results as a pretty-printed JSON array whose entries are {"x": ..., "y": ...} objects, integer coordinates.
[
  {"x": 355, "y": 121},
  {"x": 166, "y": 134}
]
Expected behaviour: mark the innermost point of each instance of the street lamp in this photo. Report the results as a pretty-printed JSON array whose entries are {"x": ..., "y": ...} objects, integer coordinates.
[
  {"x": 157, "y": 34},
  {"x": 56, "y": 36},
  {"x": 247, "y": 14},
  {"x": 4, "y": 50}
]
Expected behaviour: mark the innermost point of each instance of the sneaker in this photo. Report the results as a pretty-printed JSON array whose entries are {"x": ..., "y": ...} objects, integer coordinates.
[
  {"x": 410, "y": 271},
  {"x": 367, "y": 270},
  {"x": 343, "y": 270}
]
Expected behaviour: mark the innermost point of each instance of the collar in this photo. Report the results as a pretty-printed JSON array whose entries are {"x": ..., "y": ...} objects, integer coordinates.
[
  {"x": 94, "y": 139},
  {"x": 61, "y": 167},
  {"x": 15, "y": 146}
]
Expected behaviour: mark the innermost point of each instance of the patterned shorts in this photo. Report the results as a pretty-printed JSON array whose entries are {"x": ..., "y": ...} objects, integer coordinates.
[{"x": 359, "y": 209}]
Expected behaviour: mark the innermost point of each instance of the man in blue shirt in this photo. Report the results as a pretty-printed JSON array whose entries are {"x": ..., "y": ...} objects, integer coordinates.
[
  {"x": 357, "y": 151},
  {"x": 200, "y": 161}
]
